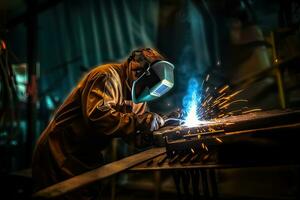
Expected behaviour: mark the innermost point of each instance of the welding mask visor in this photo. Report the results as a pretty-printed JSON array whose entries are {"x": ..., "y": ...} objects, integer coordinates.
[{"x": 156, "y": 81}]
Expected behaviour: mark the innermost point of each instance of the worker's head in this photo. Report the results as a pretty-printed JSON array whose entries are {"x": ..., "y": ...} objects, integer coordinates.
[{"x": 149, "y": 75}]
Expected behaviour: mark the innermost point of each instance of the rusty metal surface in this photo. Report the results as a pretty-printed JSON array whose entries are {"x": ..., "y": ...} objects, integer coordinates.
[{"x": 97, "y": 174}]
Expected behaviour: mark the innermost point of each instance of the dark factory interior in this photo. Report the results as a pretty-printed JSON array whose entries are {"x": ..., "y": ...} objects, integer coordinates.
[{"x": 149, "y": 99}]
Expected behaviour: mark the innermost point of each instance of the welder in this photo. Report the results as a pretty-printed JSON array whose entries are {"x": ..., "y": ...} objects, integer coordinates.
[{"x": 110, "y": 101}]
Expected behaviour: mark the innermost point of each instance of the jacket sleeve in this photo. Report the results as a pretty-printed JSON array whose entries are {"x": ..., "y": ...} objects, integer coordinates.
[{"x": 102, "y": 112}]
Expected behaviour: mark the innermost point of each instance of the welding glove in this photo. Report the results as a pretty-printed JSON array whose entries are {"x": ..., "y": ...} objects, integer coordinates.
[
  {"x": 155, "y": 121},
  {"x": 144, "y": 136}
]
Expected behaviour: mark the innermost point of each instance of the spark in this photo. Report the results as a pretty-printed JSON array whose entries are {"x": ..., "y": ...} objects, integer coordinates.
[
  {"x": 207, "y": 89},
  {"x": 250, "y": 111},
  {"x": 235, "y": 93},
  {"x": 219, "y": 140},
  {"x": 223, "y": 89},
  {"x": 206, "y": 148},
  {"x": 232, "y": 102},
  {"x": 207, "y": 77},
  {"x": 205, "y": 157},
  {"x": 202, "y": 145},
  {"x": 219, "y": 97},
  {"x": 204, "y": 105},
  {"x": 221, "y": 115},
  {"x": 192, "y": 150}
]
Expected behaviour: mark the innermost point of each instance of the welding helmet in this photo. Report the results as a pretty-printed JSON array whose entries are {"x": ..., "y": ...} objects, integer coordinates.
[{"x": 156, "y": 80}]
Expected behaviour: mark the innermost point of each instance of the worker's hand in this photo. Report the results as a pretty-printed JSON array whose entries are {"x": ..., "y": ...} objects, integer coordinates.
[{"x": 155, "y": 121}]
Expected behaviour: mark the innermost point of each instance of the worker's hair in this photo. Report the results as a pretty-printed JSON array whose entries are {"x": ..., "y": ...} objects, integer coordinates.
[{"x": 147, "y": 54}]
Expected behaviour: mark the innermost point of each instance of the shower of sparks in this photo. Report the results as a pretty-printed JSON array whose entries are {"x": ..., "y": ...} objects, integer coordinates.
[{"x": 205, "y": 104}]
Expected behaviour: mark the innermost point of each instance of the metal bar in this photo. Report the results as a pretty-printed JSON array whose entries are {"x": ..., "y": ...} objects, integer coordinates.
[
  {"x": 281, "y": 131},
  {"x": 195, "y": 158},
  {"x": 213, "y": 166},
  {"x": 280, "y": 85},
  {"x": 97, "y": 174},
  {"x": 186, "y": 158},
  {"x": 161, "y": 161},
  {"x": 174, "y": 159},
  {"x": 278, "y": 74},
  {"x": 272, "y": 128}
]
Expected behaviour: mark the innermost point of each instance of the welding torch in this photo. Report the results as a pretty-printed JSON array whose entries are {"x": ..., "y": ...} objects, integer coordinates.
[{"x": 173, "y": 118}]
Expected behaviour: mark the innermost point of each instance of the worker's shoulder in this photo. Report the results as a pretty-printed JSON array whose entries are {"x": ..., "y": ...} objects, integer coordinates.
[{"x": 104, "y": 70}]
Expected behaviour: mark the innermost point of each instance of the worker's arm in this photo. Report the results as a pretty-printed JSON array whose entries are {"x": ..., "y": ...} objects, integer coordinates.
[{"x": 103, "y": 113}]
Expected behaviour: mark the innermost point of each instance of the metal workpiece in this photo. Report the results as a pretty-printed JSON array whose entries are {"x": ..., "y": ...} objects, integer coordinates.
[
  {"x": 272, "y": 139},
  {"x": 218, "y": 127}
]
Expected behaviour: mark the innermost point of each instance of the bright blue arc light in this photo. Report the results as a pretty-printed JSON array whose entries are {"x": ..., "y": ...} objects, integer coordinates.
[{"x": 191, "y": 104}]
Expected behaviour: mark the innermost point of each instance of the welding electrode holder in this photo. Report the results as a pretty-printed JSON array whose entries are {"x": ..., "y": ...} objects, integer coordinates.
[{"x": 173, "y": 118}]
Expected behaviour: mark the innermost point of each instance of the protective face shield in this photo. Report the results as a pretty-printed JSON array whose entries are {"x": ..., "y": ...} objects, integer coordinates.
[{"x": 156, "y": 81}]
